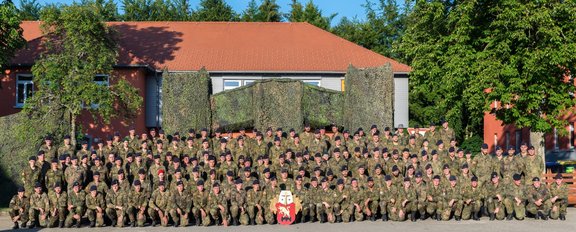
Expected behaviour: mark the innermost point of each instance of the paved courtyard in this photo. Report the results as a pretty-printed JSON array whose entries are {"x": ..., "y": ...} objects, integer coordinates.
[{"x": 463, "y": 226}]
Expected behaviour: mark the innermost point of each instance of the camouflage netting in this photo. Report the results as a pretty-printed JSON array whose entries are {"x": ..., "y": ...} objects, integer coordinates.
[
  {"x": 369, "y": 97},
  {"x": 321, "y": 107},
  {"x": 232, "y": 109},
  {"x": 185, "y": 100},
  {"x": 275, "y": 103},
  {"x": 278, "y": 103}
]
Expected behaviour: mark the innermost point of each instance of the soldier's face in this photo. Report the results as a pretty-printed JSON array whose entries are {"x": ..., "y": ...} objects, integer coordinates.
[
  {"x": 558, "y": 181},
  {"x": 38, "y": 190},
  {"x": 453, "y": 183},
  {"x": 115, "y": 187},
  {"x": 137, "y": 188},
  {"x": 406, "y": 184},
  {"x": 180, "y": 188},
  {"x": 517, "y": 182},
  {"x": 20, "y": 194},
  {"x": 474, "y": 184},
  {"x": 436, "y": 182},
  {"x": 537, "y": 184},
  {"x": 93, "y": 193}
]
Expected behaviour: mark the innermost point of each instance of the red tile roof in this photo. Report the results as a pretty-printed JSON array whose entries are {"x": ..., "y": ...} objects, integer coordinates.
[{"x": 229, "y": 46}]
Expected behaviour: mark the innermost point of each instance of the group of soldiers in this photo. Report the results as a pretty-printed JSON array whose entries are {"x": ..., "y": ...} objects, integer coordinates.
[{"x": 230, "y": 179}]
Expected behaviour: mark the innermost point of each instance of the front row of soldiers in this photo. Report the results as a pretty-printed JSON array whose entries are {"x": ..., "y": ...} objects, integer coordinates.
[{"x": 323, "y": 199}]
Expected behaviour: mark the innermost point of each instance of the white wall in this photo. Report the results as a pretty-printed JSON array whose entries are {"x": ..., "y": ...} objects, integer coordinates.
[{"x": 401, "y": 101}]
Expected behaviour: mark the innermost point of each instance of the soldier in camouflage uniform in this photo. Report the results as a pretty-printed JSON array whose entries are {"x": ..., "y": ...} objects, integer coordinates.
[
  {"x": 30, "y": 175},
  {"x": 482, "y": 164},
  {"x": 218, "y": 204},
  {"x": 237, "y": 198},
  {"x": 53, "y": 176},
  {"x": 472, "y": 200},
  {"x": 371, "y": 202},
  {"x": 452, "y": 200},
  {"x": 559, "y": 198},
  {"x": 58, "y": 200},
  {"x": 200, "y": 209},
  {"x": 324, "y": 203},
  {"x": 533, "y": 164},
  {"x": 76, "y": 206},
  {"x": 407, "y": 202},
  {"x": 137, "y": 202},
  {"x": 388, "y": 196},
  {"x": 159, "y": 205},
  {"x": 255, "y": 204},
  {"x": 39, "y": 206},
  {"x": 181, "y": 205},
  {"x": 116, "y": 204},
  {"x": 356, "y": 205},
  {"x": 19, "y": 205},
  {"x": 495, "y": 193},
  {"x": 434, "y": 198},
  {"x": 515, "y": 201},
  {"x": 538, "y": 200},
  {"x": 95, "y": 206}
]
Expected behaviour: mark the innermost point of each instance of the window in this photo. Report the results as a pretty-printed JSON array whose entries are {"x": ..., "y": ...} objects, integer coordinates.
[
  {"x": 556, "y": 144},
  {"x": 232, "y": 84},
  {"x": 248, "y": 82},
  {"x": 507, "y": 140},
  {"x": 571, "y": 135},
  {"x": 518, "y": 139},
  {"x": 24, "y": 89},
  {"x": 312, "y": 82}
]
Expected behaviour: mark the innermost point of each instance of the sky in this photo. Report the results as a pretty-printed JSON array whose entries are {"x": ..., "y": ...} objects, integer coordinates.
[{"x": 347, "y": 8}]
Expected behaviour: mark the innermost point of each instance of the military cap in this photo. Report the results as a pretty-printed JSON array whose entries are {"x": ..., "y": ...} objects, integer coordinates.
[
  {"x": 283, "y": 156},
  {"x": 412, "y": 137},
  {"x": 161, "y": 171},
  {"x": 384, "y": 150},
  {"x": 387, "y": 177},
  {"x": 558, "y": 176},
  {"x": 313, "y": 179},
  {"x": 465, "y": 165},
  {"x": 410, "y": 166},
  {"x": 340, "y": 182},
  {"x": 141, "y": 171},
  {"x": 406, "y": 179},
  {"x": 459, "y": 150},
  {"x": 317, "y": 131},
  {"x": 323, "y": 180},
  {"x": 156, "y": 156},
  {"x": 57, "y": 185},
  {"x": 96, "y": 173},
  {"x": 266, "y": 170},
  {"x": 493, "y": 175},
  {"x": 452, "y": 178},
  {"x": 93, "y": 188},
  {"x": 531, "y": 148},
  {"x": 434, "y": 152},
  {"x": 161, "y": 183},
  {"x": 498, "y": 148},
  {"x": 439, "y": 142},
  {"x": 273, "y": 178},
  {"x": 395, "y": 152},
  {"x": 329, "y": 172},
  {"x": 66, "y": 136},
  {"x": 168, "y": 153},
  {"x": 238, "y": 181},
  {"x": 317, "y": 169},
  {"x": 474, "y": 178},
  {"x": 200, "y": 182},
  {"x": 211, "y": 158},
  {"x": 370, "y": 179},
  {"x": 56, "y": 160},
  {"x": 117, "y": 158},
  {"x": 336, "y": 150},
  {"x": 378, "y": 166},
  {"x": 40, "y": 153},
  {"x": 229, "y": 173},
  {"x": 446, "y": 166},
  {"x": 451, "y": 149},
  {"x": 284, "y": 171},
  {"x": 428, "y": 166},
  {"x": 436, "y": 177},
  {"x": 109, "y": 138},
  {"x": 75, "y": 184},
  {"x": 176, "y": 160},
  {"x": 114, "y": 182},
  {"x": 484, "y": 146},
  {"x": 357, "y": 149},
  {"x": 395, "y": 168},
  {"x": 276, "y": 138},
  {"x": 405, "y": 150},
  {"x": 74, "y": 157},
  {"x": 511, "y": 148},
  {"x": 194, "y": 159},
  {"x": 212, "y": 171},
  {"x": 418, "y": 174},
  {"x": 298, "y": 177},
  {"x": 375, "y": 127},
  {"x": 137, "y": 183},
  {"x": 516, "y": 176},
  {"x": 414, "y": 156},
  {"x": 223, "y": 140},
  {"x": 21, "y": 189},
  {"x": 535, "y": 179},
  {"x": 344, "y": 168},
  {"x": 32, "y": 158},
  {"x": 255, "y": 182},
  {"x": 37, "y": 185},
  {"x": 179, "y": 182}
]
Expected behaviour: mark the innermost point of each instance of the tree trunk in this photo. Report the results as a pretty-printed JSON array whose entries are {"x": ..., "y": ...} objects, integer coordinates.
[
  {"x": 73, "y": 130},
  {"x": 537, "y": 140}
]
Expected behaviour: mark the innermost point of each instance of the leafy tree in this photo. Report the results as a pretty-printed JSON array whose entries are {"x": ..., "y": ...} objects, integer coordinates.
[
  {"x": 160, "y": 10},
  {"x": 30, "y": 9},
  {"x": 180, "y": 10},
  {"x": 78, "y": 46},
  {"x": 106, "y": 8},
  {"x": 136, "y": 10},
  {"x": 467, "y": 54},
  {"x": 269, "y": 11},
  {"x": 251, "y": 12},
  {"x": 311, "y": 14},
  {"x": 10, "y": 33},
  {"x": 214, "y": 10}
]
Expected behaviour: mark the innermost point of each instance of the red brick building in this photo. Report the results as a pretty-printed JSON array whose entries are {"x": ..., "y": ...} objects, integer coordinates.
[{"x": 234, "y": 53}]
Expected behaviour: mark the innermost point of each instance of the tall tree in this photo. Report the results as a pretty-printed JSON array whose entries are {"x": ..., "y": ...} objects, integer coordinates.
[
  {"x": 10, "y": 33},
  {"x": 251, "y": 12},
  {"x": 180, "y": 10},
  {"x": 78, "y": 47},
  {"x": 310, "y": 13},
  {"x": 468, "y": 54},
  {"x": 30, "y": 9},
  {"x": 269, "y": 11},
  {"x": 106, "y": 8},
  {"x": 214, "y": 10},
  {"x": 136, "y": 10}
]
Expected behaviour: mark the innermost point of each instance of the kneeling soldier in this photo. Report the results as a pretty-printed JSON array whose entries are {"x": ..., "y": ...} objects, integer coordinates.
[
  {"x": 559, "y": 200},
  {"x": 58, "y": 200},
  {"x": 95, "y": 207},
  {"x": 218, "y": 204},
  {"x": 76, "y": 206},
  {"x": 538, "y": 200},
  {"x": 200, "y": 201},
  {"x": 473, "y": 198},
  {"x": 158, "y": 205},
  {"x": 116, "y": 201},
  {"x": 39, "y": 206},
  {"x": 19, "y": 209},
  {"x": 181, "y": 205},
  {"x": 515, "y": 201},
  {"x": 137, "y": 202}
]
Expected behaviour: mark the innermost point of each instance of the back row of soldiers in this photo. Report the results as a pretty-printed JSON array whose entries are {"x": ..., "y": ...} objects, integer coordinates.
[{"x": 342, "y": 178}]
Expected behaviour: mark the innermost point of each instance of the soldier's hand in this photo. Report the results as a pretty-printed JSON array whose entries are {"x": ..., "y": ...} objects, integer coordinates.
[
  {"x": 70, "y": 207},
  {"x": 468, "y": 201}
]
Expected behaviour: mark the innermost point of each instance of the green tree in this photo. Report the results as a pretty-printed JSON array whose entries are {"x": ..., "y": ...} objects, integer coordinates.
[
  {"x": 180, "y": 10},
  {"x": 136, "y": 10},
  {"x": 518, "y": 51},
  {"x": 10, "y": 33},
  {"x": 79, "y": 46},
  {"x": 269, "y": 11},
  {"x": 214, "y": 10},
  {"x": 310, "y": 13},
  {"x": 251, "y": 12},
  {"x": 106, "y": 8},
  {"x": 30, "y": 9}
]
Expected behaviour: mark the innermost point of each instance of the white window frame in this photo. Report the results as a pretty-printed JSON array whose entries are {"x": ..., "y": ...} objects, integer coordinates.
[
  {"x": 230, "y": 81},
  {"x": 25, "y": 82},
  {"x": 313, "y": 81}
]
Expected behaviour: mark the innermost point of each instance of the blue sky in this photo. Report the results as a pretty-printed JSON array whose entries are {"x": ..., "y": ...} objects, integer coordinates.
[{"x": 348, "y": 8}]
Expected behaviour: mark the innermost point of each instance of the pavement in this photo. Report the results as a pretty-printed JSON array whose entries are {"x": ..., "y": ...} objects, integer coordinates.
[{"x": 483, "y": 225}]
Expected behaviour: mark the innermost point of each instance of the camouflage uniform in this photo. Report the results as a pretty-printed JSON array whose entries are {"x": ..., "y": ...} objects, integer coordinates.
[
  {"x": 76, "y": 206},
  {"x": 19, "y": 208},
  {"x": 58, "y": 204},
  {"x": 159, "y": 205},
  {"x": 38, "y": 202},
  {"x": 181, "y": 202},
  {"x": 95, "y": 216},
  {"x": 116, "y": 206}
]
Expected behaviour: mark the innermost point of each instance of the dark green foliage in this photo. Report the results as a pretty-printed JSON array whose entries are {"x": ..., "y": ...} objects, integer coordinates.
[
  {"x": 185, "y": 100},
  {"x": 105, "y": 8},
  {"x": 269, "y": 11},
  {"x": 321, "y": 107},
  {"x": 311, "y": 14},
  {"x": 10, "y": 32},
  {"x": 214, "y": 10},
  {"x": 472, "y": 143},
  {"x": 30, "y": 9},
  {"x": 369, "y": 97},
  {"x": 233, "y": 109}
]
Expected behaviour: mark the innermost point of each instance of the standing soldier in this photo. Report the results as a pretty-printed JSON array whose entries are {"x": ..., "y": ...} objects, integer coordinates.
[
  {"x": 254, "y": 198},
  {"x": 200, "y": 200},
  {"x": 66, "y": 148},
  {"x": 159, "y": 204},
  {"x": 30, "y": 175},
  {"x": 238, "y": 204},
  {"x": 95, "y": 207},
  {"x": 472, "y": 199},
  {"x": 76, "y": 206},
  {"x": 559, "y": 198},
  {"x": 53, "y": 176},
  {"x": 39, "y": 206},
  {"x": 495, "y": 197},
  {"x": 48, "y": 148},
  {"x": 482, "y": 164},
  {"x": 58, "y": 200},
  {"x": 137, "y": 202},
  {"x": 116, "y": 204},
  {"x": 515, "y": 201},
  {"x": 538, "y": 200},
  {"x": 19, "y": 205},
  {"x": 181, "y": 205},
  {"x": 452, "y": 200},
  {"x": 533, "y": 165}
]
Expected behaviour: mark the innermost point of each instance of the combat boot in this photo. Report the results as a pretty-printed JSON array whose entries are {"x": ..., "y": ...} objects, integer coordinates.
[
  {"x": 562, "y": 217},
  {"x": 339, "y": 218},
  {"x": 484, "y": 211},
  {"x": 542, "y": 216},
  {"x": 413, "y": 216},
  {"x": 422, "y": 216},
  {"x": 457, "y": 218},
  {"x": 373, "y": 217},
  {"x": 509, "y": 217},
  {"x": 176, "y": 223},
  {"x": 252, "y": 221},
  {"x": 61, "y": 224},
  {"x": 16, "y": 226},
  {"x": 132, "y": 224},
  {"x": 234, "y": 221},
  {"x": 438, "y": 217},
  {"x": 92, "y": 224},
  {"x": 475, "y": 216},
  {"x": 153, "y": 223},
  {"x": 322, "y": 218},
  {"x": 492, "y": 217},
  {"x": 384, "y": 217},
  {"x": 197, "y": 221}
]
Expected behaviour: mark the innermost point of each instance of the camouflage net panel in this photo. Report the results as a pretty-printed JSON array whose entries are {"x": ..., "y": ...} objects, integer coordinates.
[
  {"x": 278, "y": 103},
  {"x": 233, "y": 109},
  {"x": 321, "y": 106},
  {"x": 185, "y": 101},
  {"x": 369, "y": 97}
]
